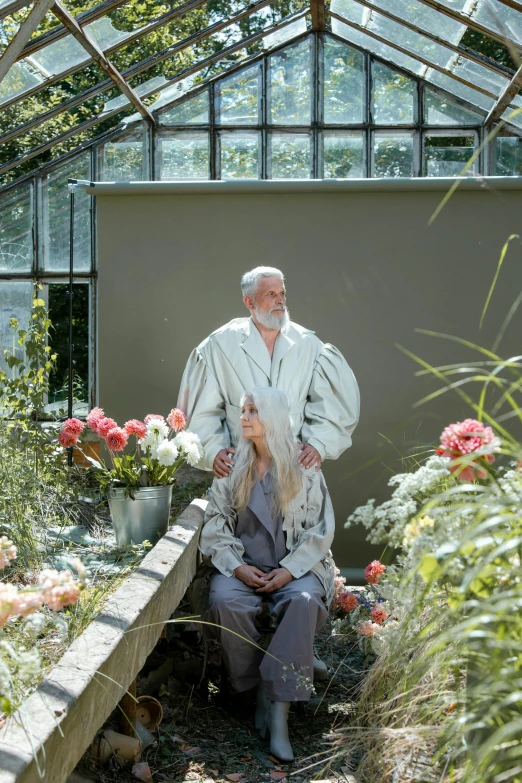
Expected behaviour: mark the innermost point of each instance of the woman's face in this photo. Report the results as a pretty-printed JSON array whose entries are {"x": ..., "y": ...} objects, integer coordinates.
[{"x": 251, "y": 426}]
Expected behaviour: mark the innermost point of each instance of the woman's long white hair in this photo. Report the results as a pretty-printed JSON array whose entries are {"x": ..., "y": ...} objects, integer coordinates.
[{"x": 274, "y": 413}]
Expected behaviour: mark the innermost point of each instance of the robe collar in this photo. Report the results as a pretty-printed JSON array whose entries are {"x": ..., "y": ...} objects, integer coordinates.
[{"x": 255, "y": 347}]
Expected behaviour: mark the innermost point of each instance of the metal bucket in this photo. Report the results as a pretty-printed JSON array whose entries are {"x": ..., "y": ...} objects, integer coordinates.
[{"x": 146, "y": 518}]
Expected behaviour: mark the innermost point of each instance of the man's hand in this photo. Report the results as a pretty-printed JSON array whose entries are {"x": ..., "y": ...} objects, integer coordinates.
[
  {"x": 309, "y": 456},
  {"x": 222, "y": 465},
  {"x": 250, "y": 575},
  {"x": 275, "y": 579}
]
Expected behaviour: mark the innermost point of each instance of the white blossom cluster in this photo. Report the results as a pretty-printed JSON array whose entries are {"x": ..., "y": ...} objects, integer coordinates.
[
  {"x": 387, "y": 521},
  {"x": 166, "y": 451}
]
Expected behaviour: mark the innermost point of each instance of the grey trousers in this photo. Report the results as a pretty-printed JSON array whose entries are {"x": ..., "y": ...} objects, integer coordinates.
[{"x": 286, "y": 669}]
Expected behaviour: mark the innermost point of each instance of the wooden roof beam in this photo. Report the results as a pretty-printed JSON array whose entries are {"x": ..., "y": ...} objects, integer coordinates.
[
  {"x": 22, "y": 35},
  {"x": 99, "y": 57},
  {"x": 505, "y": 98},
  {"x": 318, "y": 11}
]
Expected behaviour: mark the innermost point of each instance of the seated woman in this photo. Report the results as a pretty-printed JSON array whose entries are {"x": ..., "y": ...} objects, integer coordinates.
[{"x": 268, "y": 529}]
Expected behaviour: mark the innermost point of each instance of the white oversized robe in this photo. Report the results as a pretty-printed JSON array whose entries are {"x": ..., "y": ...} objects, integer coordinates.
[{"x": 323, "y": 392}]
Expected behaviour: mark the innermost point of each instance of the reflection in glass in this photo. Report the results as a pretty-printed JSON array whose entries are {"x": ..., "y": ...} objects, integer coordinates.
[
  {"x": 446, "y": 156},
  {"x": 393, "y": 96},
  {"x": 441, "y": 110},
  {"x": 393, "y": 154},
  {"x": 239, "y": 155},
  {"x": 54, "y": 233},
  {"x": 58, "y": 304},
  {"x": 183, "y": 155},
  {"x": 509, "y": 156},
  {"x": 16, "y": 229},
  {"x": 290, "y": 93},
  {"x": 343, "y": 155},
  {"x": 343, "y": 84},
  {"x": 190, "y": 112},
  {"x": 15, "y": 302},
  {"x": 237, "y": 98},
  {"x": 289, "y": 156},
  {"x": 19, "y": 78},
  {"x": 122, "y": 159}
]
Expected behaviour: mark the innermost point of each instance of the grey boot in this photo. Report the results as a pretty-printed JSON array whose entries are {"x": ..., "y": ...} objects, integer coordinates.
[
  {"x": 262, "y": 706},
  {"x": 277, "y": 725}
]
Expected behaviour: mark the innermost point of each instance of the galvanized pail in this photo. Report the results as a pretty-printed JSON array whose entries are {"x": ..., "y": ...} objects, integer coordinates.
[{"x": 146, "y": 518}]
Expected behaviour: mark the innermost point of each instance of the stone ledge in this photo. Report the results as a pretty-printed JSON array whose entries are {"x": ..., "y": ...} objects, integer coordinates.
[{"x": 46, "y": 737}]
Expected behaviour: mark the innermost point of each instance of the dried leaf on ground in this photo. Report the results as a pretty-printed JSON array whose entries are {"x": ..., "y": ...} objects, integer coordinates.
[
  {"x": 277, "y": 774},
  {"x": 141, "y": 770},
  {"x": 235, "y": 777}
]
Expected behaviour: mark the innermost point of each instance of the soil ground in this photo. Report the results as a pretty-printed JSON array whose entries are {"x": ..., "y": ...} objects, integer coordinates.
[{"x": 208, "y": 736}]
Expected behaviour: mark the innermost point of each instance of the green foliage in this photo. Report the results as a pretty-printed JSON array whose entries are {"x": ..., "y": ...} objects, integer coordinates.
[{"x": 24, "y": 390}]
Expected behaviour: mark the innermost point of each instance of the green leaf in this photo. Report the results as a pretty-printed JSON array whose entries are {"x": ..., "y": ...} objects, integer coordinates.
[{"x": 428, "y": 567}]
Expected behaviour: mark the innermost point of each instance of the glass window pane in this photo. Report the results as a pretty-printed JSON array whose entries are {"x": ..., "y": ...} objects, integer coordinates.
[
  {"x": 239, "y": 155},
  {"x": 446, "y": 156},
  {"x": 290, "y": 94},
  {"x": 61, "y": 55},
  {"x": 122, "y": 159},
  {"x": 343, "y": 84},
  {"x": 509, "y": 156},
  {"x": 278, "y": 37},
  {"x": 237, "y": 98},
  {"x": 193, "y": 111},
  {"x": 16, "y": 230},
  {"x": 394, "y": 96},
  {"x": 393, "y": 154},
  {"x": 58, "y": 303},
  {"x": 289, "y": 156},
  {"x": 183, "y": 155},
  {"x": 15, "y": 302},
  {"x": 54, "y": 228},
  {"x": 441, "y": 110},
  {"x": 343, "y": 155},
  {"x": 388, "y": 53}
]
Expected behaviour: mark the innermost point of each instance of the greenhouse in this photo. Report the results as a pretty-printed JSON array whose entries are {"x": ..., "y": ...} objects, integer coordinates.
[{"x": 260, "y": 391}]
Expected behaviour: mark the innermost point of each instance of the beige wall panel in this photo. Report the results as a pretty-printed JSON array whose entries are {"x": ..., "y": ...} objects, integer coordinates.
[{"x": 364, "y": 270}]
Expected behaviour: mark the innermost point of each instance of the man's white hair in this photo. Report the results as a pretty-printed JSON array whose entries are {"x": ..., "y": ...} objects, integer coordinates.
[{"x": 250, "y": 279}]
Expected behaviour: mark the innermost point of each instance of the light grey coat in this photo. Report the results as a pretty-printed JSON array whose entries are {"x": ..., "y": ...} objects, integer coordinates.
[
  {"x": 308, "y": 522},
  {"x": 319, "y": 384}
]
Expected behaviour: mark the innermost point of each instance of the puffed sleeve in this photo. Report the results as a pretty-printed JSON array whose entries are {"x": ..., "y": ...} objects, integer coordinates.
[
  {"x": 317, "y": 533},
  {"x": 332, "y": 408},
  {"x": 201, "y": 399},
  {"x": 218, "y": 540}
]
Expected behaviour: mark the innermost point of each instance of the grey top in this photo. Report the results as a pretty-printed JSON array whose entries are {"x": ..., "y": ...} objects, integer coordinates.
[{"x": 259, "y": 531}]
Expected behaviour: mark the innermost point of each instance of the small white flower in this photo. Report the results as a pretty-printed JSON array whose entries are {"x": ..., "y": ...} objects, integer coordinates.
[
  {"x": 190, "y": 445},
  {"x": 193, "y": 454},
  {"x": 157, "y": 431},
  {"x": 166, "y": 453}
]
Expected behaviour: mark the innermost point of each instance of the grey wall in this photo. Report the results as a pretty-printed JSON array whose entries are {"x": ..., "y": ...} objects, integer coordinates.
[{"x": 363, "y": 270}]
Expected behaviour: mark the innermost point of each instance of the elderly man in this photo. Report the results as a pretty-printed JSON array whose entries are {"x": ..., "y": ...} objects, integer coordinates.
[{"x": 268, "y": 349}]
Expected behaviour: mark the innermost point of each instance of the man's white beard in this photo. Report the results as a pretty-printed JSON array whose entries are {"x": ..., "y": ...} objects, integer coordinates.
[{"x": 270, "y": 320}]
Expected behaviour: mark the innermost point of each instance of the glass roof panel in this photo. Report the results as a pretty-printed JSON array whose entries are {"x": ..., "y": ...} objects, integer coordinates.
[
  {"x": 460, "y": 90},
  {"x": 441, "y": 110},
  {"x": 418, "y": 44},
  {"x": 280, "y": 36},
  {"x": 102, "y": 32},
  {"x": 424, "y": 17},
  {"x": 376, "y": 47},
  {"x": 61, "y": 55},
  {"x": 499, "y": 18},
  {"x": 19, "y": 78}
]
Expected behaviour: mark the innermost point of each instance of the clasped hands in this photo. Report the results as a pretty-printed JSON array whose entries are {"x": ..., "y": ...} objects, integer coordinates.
[
  {"x": 264, "y": 583},
  {"x": 223, "y": 462}
]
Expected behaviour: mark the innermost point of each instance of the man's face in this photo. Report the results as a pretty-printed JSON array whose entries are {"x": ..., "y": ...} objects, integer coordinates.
[{"x": 269, "y": 302}]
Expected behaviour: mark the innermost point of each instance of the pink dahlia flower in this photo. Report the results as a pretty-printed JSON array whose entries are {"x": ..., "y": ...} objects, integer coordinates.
[
  {"x": 136, "y": 427},
  {"x": 339, "y": 583},
  {"x": 104, "y": 425},
  {"x": 176, "y": 419},
  {"x": 367, "y": 628},
  {"x": 67, "y": 439},
  {"x": 116, "y": 439},
  {"x": 374, "y": 571},
  {"x": 379, "y": 614},
  {"x": 152, "y": 416},
  {"x": 74, "y": 426},
  {"x": 94, "y": 417},
  {"x": 9, "y": 600},
  {"x": 467, "y": 437},
  {"x": 347, "y": 601}
]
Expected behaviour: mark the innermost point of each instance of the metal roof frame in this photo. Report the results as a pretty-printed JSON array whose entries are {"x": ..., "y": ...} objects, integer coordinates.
[{"x": 20, "y": 47}]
